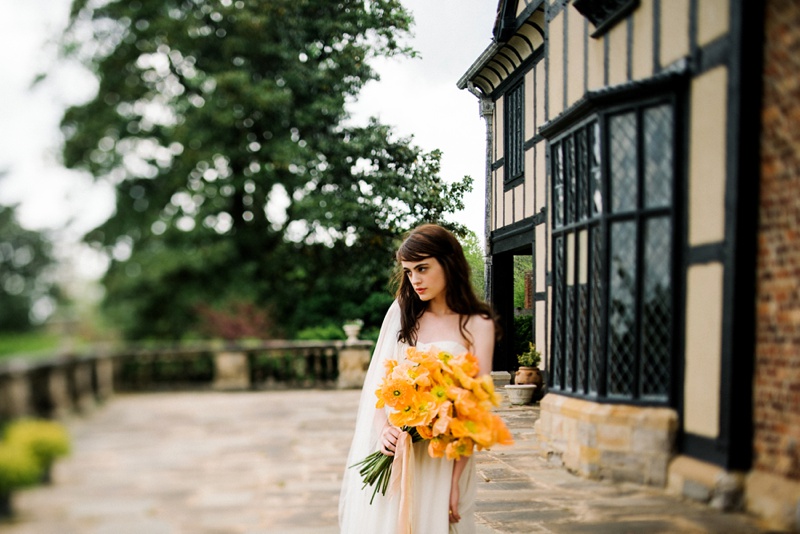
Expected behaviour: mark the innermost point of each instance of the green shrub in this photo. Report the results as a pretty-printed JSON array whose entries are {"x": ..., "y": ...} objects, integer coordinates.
[
  {"x": 19, "y": 467},
  {"x": 523, "y": 333},
  {"x": 47, "y": 440},
  {"x": 321, "y": 333}
]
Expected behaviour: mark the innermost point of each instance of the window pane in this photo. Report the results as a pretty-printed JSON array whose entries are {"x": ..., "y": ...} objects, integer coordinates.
[
  {"x": 559, "y": 271},
  {"x": 569, "y": 347},
  {"x": 622, "y": 153},
  {"x": 582, "y": 314},
  {"x": 658, "y": 156},
  {"x": 558, "y": 185},
  {"x": 656, "y": 308},
  {"x": 582, "y": 172},
  {"x": 593, "y": 131},
  {"x": 622, "y": 309},
  {"x": 569, "y": 168},
  {"x": 596, "y": 319}
]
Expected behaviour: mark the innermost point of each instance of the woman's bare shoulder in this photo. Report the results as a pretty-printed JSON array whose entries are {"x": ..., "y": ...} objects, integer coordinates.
[{"x": 480, "y": 324}]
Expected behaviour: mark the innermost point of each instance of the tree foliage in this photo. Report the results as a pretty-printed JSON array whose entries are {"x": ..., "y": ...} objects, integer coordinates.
[
  {"x": 26, "y": 280},
  {"x": 223, "y": 126}
]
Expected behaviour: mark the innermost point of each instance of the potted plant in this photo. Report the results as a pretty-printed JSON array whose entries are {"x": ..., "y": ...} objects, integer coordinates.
[{"x": 529, "y": 372}]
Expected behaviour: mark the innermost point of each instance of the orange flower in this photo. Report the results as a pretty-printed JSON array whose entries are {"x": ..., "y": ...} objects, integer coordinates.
[
  {"x": 394, "y": 393},
  {"x": 459, "y": 448},
  {"x": 468, "y": 363},
  {"x": 438, "y": 446},
  {"x": 419, "y": 410},
  {"x": 443, "y": 417},
  {"x": 480, "y": 431},
  {"x": 413, "y": 373}
]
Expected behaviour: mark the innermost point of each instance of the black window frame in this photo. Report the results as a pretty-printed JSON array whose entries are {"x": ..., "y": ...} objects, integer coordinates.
[
  {"x": 580, "y": 339},
  {"x": 514, "y": 134}
]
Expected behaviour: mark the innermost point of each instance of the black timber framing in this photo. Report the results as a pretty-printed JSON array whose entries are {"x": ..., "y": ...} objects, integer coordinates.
[
  {"x": 506, "y": 242},
  {"x": 732, "y": 449}
]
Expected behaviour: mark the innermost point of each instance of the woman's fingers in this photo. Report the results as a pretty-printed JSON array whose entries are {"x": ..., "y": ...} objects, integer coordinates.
[{"x": 389, "y": 441}]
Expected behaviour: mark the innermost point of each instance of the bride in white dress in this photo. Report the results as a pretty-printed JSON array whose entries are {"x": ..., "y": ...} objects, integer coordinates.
[{"x": 435, "y": 306}]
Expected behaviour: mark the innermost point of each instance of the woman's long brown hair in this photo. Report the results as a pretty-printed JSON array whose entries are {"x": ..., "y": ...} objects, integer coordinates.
[{"x": 433, "y": 241}]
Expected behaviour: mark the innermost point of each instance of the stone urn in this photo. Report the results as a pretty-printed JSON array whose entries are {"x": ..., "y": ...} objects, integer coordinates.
[
  {"x": 519, "y": 394},
  {"x": 352, "y": 330}
]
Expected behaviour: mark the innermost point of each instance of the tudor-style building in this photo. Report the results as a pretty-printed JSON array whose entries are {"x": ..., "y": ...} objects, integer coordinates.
[{"x": 623, "y": 157}]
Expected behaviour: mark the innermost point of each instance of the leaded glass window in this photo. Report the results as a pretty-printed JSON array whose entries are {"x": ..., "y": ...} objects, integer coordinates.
[
  {"x": 613, "y": 183},
  {"x": 514, "y": 124}
]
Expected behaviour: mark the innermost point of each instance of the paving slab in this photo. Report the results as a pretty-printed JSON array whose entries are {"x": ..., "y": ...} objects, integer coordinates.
[{"x": 272, "y": 462}]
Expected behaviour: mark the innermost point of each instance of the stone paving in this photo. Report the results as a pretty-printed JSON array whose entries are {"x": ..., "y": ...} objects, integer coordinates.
[{"x": 271, "y": 462}]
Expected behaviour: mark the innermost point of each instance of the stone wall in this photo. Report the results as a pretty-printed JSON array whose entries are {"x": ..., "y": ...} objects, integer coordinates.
[
  {"x": 608, "y": 441},
  {"x": 776, "y": 447}
]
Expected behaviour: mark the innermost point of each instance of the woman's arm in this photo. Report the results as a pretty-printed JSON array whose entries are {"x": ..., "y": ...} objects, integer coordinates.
[
  {"x": 482, "y": 330},
  {"x": 455, "y": 493}
]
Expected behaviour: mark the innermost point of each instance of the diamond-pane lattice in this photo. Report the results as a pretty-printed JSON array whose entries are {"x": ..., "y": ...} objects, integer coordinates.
[
  {"x": 596, "y": 317},
  {"x": 582, "y": 151},
  {"x": 656, "y": 309},
  {"x": 658, "y": 161},
  {"x": 583, "y": 324},
  {"x": 593, "y": 131},
  {"x": 622, "y": 309},
  {"x": 622, "y": 153},
  {"x": 558, "y": 185},
  {"x": 559, "y": 268},
  {"x": 569, "y": 156}
]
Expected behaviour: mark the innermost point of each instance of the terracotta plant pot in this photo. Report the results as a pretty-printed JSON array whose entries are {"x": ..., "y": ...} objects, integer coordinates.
[{"x": 528, "y": 375}]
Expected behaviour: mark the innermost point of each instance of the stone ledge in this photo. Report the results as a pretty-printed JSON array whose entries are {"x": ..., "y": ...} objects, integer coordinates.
[
  {"x": 608, "y": 441},
  {"x": 774, "y": 498},
  {"x": 706, "y": 483}
]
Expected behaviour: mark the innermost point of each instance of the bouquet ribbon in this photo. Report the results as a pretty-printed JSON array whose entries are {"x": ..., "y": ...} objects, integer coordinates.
[{"x": 402, "y": 480}]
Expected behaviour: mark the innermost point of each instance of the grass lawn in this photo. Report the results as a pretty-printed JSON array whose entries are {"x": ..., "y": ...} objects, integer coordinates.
[{"x": 27, "y": 344}]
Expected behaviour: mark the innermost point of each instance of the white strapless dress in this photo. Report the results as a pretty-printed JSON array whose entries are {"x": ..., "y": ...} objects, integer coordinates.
[{"x": 431, "y": 489}]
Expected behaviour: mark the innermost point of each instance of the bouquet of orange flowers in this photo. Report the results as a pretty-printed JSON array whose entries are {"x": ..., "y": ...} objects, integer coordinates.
[{"x": 438, "y": 397}]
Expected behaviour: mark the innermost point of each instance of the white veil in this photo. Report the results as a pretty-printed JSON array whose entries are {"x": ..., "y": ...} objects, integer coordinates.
[{"x": 353, "y": 501}]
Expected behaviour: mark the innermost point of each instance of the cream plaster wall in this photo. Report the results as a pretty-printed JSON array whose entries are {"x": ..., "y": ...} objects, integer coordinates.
[
  {"x": 703, "y": 349},
  {"x": 540, "y": 332},
  {"x": 555, "y": 58},
  {"x": 713, "y": 19},
  {"x": 618, "y": 54},
  {"x": 499, "y": 138},
  {"x": 539, "y": 116},
  {"x": 596, "y": 64},
  {"x": 541, "y": 177},
  {"x": 496, "y": 201},
  {"x": 642, "y": 53},
  {"x": 530, "y": 127},
  {"x": 508, "y": 205},
  {"x": 530, "y": 182},
  {"x": 575, "y": 68},
  {"x": 519, "y": 202},
  {"x": 707, "y": 132},
  {"x": 540, "y": 246},
  {"x": 674, "y": 19}
]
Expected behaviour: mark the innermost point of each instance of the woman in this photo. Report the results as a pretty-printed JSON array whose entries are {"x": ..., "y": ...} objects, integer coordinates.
[{"x": 435, "y": 306}]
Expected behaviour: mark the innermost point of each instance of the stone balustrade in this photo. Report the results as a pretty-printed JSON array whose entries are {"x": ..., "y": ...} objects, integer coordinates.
[{"x": 53, "y": 387}]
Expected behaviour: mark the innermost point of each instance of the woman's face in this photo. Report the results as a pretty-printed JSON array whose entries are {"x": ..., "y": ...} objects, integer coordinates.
[{"x": 427, "y": 277}]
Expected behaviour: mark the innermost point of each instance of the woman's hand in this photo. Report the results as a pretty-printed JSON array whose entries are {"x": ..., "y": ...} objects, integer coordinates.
[
  {"x": 389, "y": 437},
  {"x": 454, "y": 496}
]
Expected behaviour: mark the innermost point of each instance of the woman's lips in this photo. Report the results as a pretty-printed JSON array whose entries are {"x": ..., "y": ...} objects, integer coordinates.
[{"x": 420, "y": 290}]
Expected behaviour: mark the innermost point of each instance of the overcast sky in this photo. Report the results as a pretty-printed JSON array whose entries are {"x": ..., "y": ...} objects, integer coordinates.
[{"x": 418, "y": 97}]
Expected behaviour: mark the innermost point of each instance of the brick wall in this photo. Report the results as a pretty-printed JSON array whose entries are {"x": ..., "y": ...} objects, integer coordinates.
[{"x": 777, "y": 380}]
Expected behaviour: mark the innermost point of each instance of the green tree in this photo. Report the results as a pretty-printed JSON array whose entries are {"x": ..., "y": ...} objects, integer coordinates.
[
  {"x": 473, "y": 251},
  {"x": 224, "y": 128},
  {"x": 26, "y": 281}
]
